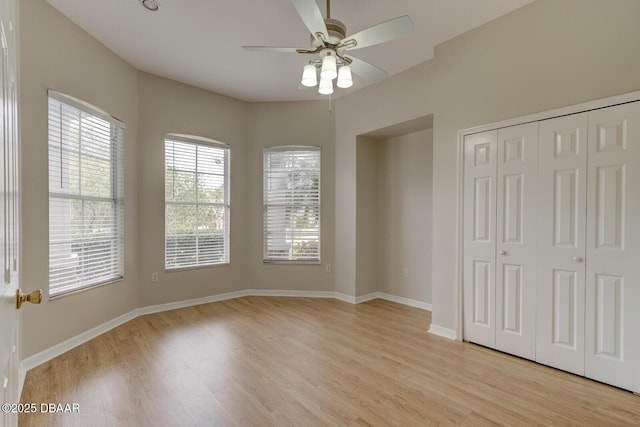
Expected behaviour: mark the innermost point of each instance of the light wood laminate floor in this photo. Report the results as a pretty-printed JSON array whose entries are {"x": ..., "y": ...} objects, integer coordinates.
[{"x": 267, "y": 361}]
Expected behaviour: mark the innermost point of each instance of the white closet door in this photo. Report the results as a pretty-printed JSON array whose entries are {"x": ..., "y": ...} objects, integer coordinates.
[
  {"x": 562, "y": 160},
  {"x": 479, "y": 238},
  {"x": 516, "y": 239},
  {"x": 613, "y": 247}
]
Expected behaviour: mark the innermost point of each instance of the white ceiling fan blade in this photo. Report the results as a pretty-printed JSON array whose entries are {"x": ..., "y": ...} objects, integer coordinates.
[
  {"x": 381, "y": 33},
  {"x": 275, "y": 49},
  {"x": 366, "y": 70},
  {"x": 311, "y": 16}
]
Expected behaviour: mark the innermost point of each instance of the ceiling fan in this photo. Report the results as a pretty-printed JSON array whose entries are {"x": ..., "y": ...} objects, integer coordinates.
[{"x": 331, "y": 45}]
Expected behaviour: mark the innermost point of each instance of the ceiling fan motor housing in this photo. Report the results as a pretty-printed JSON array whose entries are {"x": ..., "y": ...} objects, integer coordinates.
[{"x": 336, "y": 29}]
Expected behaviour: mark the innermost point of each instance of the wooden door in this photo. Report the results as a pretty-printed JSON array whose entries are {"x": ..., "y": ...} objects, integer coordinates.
[
  {"x": 562, "y": 161},
  {"x": 479, "y": 252},
  {"x": 613, "y": 247},
  {"x": 516, "y": 239},
  {"x": 9, "y": 213}
]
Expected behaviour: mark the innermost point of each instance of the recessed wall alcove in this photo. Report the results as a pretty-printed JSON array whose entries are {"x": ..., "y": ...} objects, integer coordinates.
[{"x": 394, "y": 210}]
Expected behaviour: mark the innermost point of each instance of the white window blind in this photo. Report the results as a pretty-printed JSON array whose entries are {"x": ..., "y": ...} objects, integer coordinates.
[
  {"x": 86, "y": 196},
  {"x": 292, "y": 204},
  {"x": 196, "y": 202}
]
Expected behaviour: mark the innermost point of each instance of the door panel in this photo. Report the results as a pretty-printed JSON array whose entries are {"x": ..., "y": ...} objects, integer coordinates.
[
  {"x": 482, "y": 209},
  {"x": 479, "y": 238},
  {"x": 512, "y": 201},
  {"x": 565, "y": 210},
  {"x": 516, "y": 239},
  {"x": 610, "y": 197},
  {"x": 511, "y": 307},
  {"x": 561, "y": 212},
  {"x": 481, "y": 290},
  {"x": 565, "y": 314},
  {"x": 609, "y": 316},
  {"x": 9, "y": 211},
  {"x": 613, "y": 247}
]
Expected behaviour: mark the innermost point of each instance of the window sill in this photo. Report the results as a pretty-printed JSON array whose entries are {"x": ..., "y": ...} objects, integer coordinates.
[
  {"x": 284, "y": 262},
  {"x": 195, "y": 267},
  {"x": 61, "y": 294}
]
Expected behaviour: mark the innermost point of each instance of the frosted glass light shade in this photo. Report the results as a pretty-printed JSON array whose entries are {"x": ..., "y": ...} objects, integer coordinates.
[
  {"x": 329, "y": 70},
  {"x": 344, "y": 77},
  {"x": 309, "y": 77},
  {"x": 326, "y": 87}
]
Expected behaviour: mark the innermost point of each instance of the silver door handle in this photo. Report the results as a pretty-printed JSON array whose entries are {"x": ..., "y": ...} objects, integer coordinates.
[
  {"x": 502, "y": 252},
  {"x": 577, "y": 259}
]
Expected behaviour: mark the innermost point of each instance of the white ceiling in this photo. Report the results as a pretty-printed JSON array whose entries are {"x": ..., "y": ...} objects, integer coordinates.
[{"x": 198, "y": 42}]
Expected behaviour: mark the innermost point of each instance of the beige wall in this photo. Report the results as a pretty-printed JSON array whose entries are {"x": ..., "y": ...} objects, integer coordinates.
[
  {"x": 366, "y": 215},
  {"x": 56, "y": 54},
  {"x": 290, "y": 123},
  {"x": 170, "y": 107},
  {"x": 550, "y": 53},
  {"x": 404, "y": 211}
]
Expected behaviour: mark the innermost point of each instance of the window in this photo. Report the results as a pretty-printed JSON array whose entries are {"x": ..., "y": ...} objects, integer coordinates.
[
  {"x": 196, "y": 202},
  {"x": 292, "y": 204},
  {"x": 86, "y": 196}
]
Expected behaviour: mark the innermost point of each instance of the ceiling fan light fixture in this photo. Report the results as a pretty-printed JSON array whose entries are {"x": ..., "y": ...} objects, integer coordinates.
[
  {"x": 330, "y": 44},
  {"x": 344, "y": 77},
  {"x": 326, "y": 87},
  {"x": 309, "y": 76},
  {"x": 329, "y": 68}
]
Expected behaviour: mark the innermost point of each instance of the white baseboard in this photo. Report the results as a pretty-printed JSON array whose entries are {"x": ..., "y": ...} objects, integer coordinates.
[
  {"x": 284, "y": 293},
  {"x": 60, "y": 348},
  {"x": 405, "y": 301},
  {"x": 368, "y": 297},
  {"x": 443, "y": 332},
  {"x": 344, "y": 297},
  {"x": 190, "y": 303}
]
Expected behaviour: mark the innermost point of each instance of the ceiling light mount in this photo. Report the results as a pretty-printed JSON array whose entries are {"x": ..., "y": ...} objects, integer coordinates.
[{"x": 151, "y": 5}]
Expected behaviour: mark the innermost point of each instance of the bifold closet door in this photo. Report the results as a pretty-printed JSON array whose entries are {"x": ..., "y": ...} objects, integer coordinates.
[
  {"x": 562, "y": 179},
  {"x": 516, "y": 239},
  {"x": 613, "y": 247},
  {"x": 479, "y": 238},
  {"x": 499, "y": 264}
]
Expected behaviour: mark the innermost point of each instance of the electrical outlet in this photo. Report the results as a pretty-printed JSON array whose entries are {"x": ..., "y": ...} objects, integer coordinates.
[
  {"x": 154, "y": 276},
  {"x": 327, "y": 268}
]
